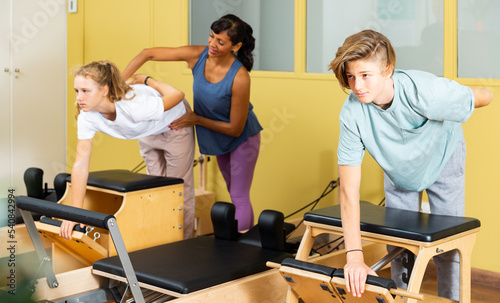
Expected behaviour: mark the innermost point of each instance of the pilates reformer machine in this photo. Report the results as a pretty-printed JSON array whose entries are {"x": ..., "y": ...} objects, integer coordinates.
[
  {"x": 203, "y": 269},
  {"x": 424, "y": 235},
  {"x": 146, "y": 202},
  {"x": 149, "y": 211},
  {"x": 118, "y": 184},
  {"x": 231, "y": 267}
]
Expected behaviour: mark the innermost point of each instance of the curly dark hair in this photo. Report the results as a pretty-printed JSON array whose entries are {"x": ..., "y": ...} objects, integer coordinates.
[{"x": 238, "y": 31}]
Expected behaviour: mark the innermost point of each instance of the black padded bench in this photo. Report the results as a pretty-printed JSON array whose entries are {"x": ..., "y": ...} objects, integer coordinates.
[
  {"x": 187, "y": 266},
  {"x": 116, "y": 180},
  {"x": 425, "y": 235},
  {"x": 122, "y": 180}
]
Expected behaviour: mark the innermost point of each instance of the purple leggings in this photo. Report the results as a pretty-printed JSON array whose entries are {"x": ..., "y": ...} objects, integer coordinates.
[{"x": 237, "y": 168}]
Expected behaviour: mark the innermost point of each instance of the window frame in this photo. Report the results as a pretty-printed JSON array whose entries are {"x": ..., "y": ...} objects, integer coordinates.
[{"x": 450, "y": 48}]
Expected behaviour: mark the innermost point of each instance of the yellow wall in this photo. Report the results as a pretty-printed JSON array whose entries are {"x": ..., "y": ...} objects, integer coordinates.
[{"x": 298, "y": 111}]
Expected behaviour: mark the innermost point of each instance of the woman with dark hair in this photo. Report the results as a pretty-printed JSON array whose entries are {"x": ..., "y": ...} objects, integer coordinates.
[{"x": 226, "y": 125}]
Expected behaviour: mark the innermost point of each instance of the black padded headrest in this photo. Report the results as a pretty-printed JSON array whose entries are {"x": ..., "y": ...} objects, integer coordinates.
[
  {"x": 126, "y": 181},
  {"x": 303, "y": 265},
  {"x": 33, "y": 179},
  {"x": 269, "y": 233},
  {"x": 60, "y": 184},
  {"x": 272, "y": 234},
  {"x": 399, "y": 223},
  {"x": 223, "y": 221}
]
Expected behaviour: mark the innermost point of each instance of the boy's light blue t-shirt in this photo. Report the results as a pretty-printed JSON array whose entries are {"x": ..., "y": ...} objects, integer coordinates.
[{"x": 413, "y": 139}]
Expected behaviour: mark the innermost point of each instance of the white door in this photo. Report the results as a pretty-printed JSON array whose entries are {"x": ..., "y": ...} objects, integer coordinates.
[
  {"x": 5, "y": 132},
  {"x": 38, "y": 80}
]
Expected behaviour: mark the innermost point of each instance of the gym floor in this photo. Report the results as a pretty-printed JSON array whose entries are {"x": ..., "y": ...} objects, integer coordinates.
[{"x": 480, "y": 293}]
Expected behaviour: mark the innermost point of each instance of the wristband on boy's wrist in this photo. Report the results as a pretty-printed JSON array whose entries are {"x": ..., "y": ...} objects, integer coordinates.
[
  {"x": 146, "y": 80},
  {"x": 353, "y": 250}
]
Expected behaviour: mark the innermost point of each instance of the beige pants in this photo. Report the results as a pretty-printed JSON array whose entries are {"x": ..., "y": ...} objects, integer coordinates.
[{"x": 171, "y": 154}]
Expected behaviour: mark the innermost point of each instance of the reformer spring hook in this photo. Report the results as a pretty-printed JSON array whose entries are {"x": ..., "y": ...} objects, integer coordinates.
[{"x": 88, "y": 229}]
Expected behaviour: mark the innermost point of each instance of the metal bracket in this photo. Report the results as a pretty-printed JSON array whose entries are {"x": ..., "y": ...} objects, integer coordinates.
[
  {"x": 408, "y": 263},
  {"x": 45, "y": 262},
  {"x": 133, "y": 284},
  {"x": 387, "y": 258}
]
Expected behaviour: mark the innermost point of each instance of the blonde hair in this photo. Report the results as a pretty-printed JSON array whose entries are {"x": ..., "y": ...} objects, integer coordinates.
[
  {"x": 365, "y": 45},
  {"x": 104, "y": 73}
]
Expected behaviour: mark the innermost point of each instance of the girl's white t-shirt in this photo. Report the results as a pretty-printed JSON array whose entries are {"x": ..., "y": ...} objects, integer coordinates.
[{"x": 139, "y": 117}]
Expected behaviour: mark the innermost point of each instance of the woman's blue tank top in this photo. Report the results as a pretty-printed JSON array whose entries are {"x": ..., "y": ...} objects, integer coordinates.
[{"x": 213, "y": 101}]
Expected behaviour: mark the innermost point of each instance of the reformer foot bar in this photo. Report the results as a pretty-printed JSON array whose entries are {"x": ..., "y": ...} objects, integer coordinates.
[
  {"x": 319, "y": 283},
  {"x": 177, "y": 269},
  {"x": 425, "y": 235}
]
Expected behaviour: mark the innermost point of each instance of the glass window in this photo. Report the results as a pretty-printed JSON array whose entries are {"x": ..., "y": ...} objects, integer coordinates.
[
  {"x": 478, "y": 39},
  {"x": 415, "y": 29},
  {"x": 272, "y": 22}
]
